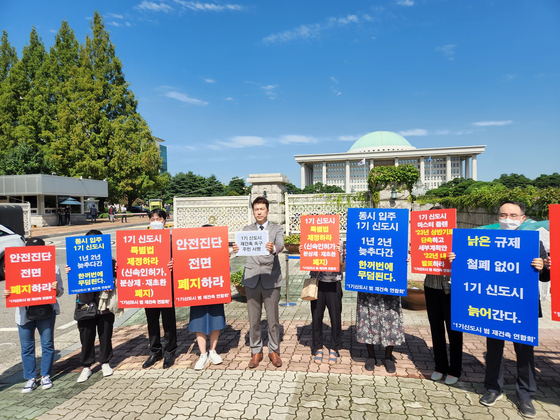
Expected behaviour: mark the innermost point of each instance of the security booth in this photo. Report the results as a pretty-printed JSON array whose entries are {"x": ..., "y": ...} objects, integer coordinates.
[
  {"x": 45, "y": 194},
  {"x": 89, "y": 203}
]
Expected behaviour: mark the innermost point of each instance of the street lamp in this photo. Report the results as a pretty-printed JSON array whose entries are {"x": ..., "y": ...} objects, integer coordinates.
[
  {"x": 393, "y": 194},
  {"x": 264, "y": 193}
]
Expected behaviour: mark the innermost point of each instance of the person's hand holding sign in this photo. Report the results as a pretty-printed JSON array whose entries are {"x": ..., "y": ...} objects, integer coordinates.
[
  {"x": 270, "y": 247},
  {"x": 451, "y": 256},
  {"x": 235, "y": 248},
  {"x": 538, "y": 263}
]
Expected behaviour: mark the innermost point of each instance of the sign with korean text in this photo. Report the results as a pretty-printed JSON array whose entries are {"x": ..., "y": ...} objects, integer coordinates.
[
  {"x": 91, "y": 263},
  {"x": 430, "y": 243},
  {"x": 554, "y": 226},
  {"x": 494, "y": 288},
  {"x": 319, "y": 237},
  {"x": 252, "y": 242},
  {"x": 377, "y": 250},
  {"x": 201, "y": 266},
  {"x": 144, "y": 280},
  {"x": 30, "y": 271}
]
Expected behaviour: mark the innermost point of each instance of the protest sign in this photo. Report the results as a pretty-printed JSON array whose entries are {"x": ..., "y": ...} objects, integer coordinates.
[
  {"x": 430, "y": 242},
  {"x": 554, "y": 226},
  {"x": 91, "y": 263},
  {"x": 252, "y": 242},
  {"x": 319, "y": 237},
  {"x": 494, "y": 288},
  {"x": 143, "y": 278},
  {"x": 376, "y": 251},
  {"x": 30, "y": 272},
  {"x": 201, "y": 266}
]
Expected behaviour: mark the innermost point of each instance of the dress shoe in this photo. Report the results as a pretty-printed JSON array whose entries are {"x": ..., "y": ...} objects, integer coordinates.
[
  {"x": 275, "y": 359},
  {"x": 152, "y": 360},
  {"x": 168, "y": 361},
  {"x": 255, "y": 360}
]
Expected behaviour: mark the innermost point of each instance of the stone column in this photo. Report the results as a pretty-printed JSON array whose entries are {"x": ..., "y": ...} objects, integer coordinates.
[
  {"x": 461, "y": 171},
  {"x": 372, "y": 164},
  {"x": 396, "y": 161},
  {"x": 324, "y": 173},
  {"x": 422, "y": 170},
  {"x": 303, "y": 177},
  {"x": 347, "y": 187},
  {"x": 474, "y": 168},
  {"x": 467, "y": 168},
  {"x": 447, "y": 168},
  {"x": 275, "y": 187}
]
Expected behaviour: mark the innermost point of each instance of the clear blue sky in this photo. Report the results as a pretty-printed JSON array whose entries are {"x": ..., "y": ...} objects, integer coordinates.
[{"x": 241, "y": 87}]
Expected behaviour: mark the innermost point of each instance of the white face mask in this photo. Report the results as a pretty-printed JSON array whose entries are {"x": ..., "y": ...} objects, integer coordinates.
[
  {"x": 508, "y": 224},
  {"x": 157, "y": 225}
]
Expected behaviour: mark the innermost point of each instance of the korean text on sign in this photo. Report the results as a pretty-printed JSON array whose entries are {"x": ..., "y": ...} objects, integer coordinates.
[
  {"x": 143, "y": 278},
  {"x": 30, "y": 272},
  {"x": 201, "y": 266},
  {"x": 319, "y": 237},
  {"x": 554, "y": 215},
  {"x": 91, "y": 263},
  {"x": 377, "y": 250},
  {"x": 252, "y": 242},
  {"x": 494, "y": 288},
  {"x": 430, "y": 243}
]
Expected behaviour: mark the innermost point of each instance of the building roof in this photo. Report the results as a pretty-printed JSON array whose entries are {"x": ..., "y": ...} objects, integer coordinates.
[
  {"x": 42, "y": 184},
  {"x": 381, "y": 141}
]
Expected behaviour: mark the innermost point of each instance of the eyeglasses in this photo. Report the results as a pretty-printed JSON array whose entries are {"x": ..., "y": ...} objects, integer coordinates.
[{"x": 512, "y": 216}]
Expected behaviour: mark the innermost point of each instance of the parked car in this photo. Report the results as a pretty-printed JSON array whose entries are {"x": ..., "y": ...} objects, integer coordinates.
[
  {"x": 8, "y": 239},
  {"x": 136, "y": 209}
]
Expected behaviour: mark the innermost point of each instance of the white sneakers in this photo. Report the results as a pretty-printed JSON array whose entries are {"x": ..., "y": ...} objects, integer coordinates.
[
  {"x": 451, "y": 380},
  {"x": 30, "y": 386},
  {"x": 46, "y": 382},
  {"x": 215, "y": 357},
  {"x": 84, "y": 376},
  {"x": 436, "y": 376},
  {"x": 205, "y": 359},
  {"x": 107, "y": 371},
  {"x": 202, "y": 362}
]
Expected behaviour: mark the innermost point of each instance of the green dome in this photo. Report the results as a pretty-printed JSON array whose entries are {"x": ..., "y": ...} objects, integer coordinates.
[{"x": 381, "y": 141}]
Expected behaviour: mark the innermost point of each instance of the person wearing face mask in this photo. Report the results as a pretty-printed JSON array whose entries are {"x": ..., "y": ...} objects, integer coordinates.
[
  {"x": 511, "y": 215},
  {"x": 161, "y": 348}
]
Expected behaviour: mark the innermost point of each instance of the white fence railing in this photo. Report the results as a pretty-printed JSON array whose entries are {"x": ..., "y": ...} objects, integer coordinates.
[
  {"x": 233, "y": 212},
  {"x": 301, "y": 204}
]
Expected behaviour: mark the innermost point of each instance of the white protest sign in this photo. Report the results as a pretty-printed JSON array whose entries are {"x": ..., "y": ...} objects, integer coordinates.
[{"x": 252, "y": 242}]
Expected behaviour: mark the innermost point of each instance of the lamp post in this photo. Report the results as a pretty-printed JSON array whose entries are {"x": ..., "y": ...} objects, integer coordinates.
[{"x": 393, "y": 194}]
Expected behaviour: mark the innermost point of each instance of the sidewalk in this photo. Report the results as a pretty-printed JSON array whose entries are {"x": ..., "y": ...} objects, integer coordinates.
[
  {"x": 83, "y": 228},
  {"x": 300, "y": 389}
]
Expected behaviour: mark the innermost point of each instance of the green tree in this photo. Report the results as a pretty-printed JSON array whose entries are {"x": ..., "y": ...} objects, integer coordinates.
[
  {"x": 24, "y": 159},
  {"x": 514, "y": 180},
  {"x": 214, "y": 188},
  {"x": 292, "y": 189},
  {"x": 545, "y": 181},
  {"x": 237, "y": 186},
  {"x": 8, "y": 56},
  {"x": 320, "y": 188}
]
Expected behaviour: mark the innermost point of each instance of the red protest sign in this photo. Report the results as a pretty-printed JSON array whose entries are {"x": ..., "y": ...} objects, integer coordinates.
[
  {"x": 430, "y": 243},
  {"x": 319, "y": 237},
  {"x": 201, "y": 266},
  {"x": 554, "y": 227},
  {"x": 144, "y": 280},
  {"x": 30, "y": 272}
]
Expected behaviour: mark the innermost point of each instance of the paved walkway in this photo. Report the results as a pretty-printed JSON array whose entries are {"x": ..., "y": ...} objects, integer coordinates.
[
  {"x": 75, "y": 229},
  {"x": 300, "y": 389}
]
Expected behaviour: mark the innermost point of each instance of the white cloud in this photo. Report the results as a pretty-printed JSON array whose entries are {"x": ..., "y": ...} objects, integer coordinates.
[
  {"x": 127, "y": 24},
  {"x": 414, "y": 132},
  {"x": 52, "y": 30},
  {"x": 294, "y": 138},
  {"x": 447, "y": 51},
  {"x": 185, "y": 98},
  {"x": 349, "y": 138},
  {"x": 238, "y": 142},
  {"x": 115, "y": 16},
  {"x": 314, "y": 30},
  {"x": 405, "y": 2},
  {"x": 507, "y": 77},
  {"x": 442, "y": 132},
  {"x": 209, "y": 80},
  {"x": 492, "y": 123},
  {"x": 269, "y": 87},
  {"x": 197, "y": 6},
  {"x": 113, "y": 23},
  {"x": 334, "y": 80},
  {"x": 229, "y": 99},
  {"x": 149, "y": 5}
]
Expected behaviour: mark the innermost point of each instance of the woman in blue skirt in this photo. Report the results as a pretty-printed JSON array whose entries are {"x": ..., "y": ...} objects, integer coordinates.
[{"x": 207, "y": 320}]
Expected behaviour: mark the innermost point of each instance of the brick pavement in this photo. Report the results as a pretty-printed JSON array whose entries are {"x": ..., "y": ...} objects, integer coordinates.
[{"x": 299, "y": 389}]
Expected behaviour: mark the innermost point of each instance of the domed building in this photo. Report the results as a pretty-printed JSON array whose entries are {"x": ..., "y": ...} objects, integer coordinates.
[{"x": 349, "y": 170}]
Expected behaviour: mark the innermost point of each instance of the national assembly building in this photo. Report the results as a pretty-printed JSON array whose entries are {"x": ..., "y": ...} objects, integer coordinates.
[{"x": 349, "y": 170}]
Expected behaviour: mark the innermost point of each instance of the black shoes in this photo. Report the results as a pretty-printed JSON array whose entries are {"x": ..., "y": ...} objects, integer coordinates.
[
  {"x": 168, "y": 361},
  {"x": 527, "y": 409},
  {"x": 152, "y": 360},
  {"x": 489, "y": 398},
  {"x": 390, "y": 365},
  {"x": 370, "y": 364}
]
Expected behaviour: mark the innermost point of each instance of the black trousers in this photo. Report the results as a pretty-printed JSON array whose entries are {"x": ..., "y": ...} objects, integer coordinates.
[
  {"x": 169, "y": 342},
  {"x": 526, "y": 384},
  {"x": 438, "y": 305},
  {"x": 104, "y": 326},
  {"x": 329, "y": 295}
]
